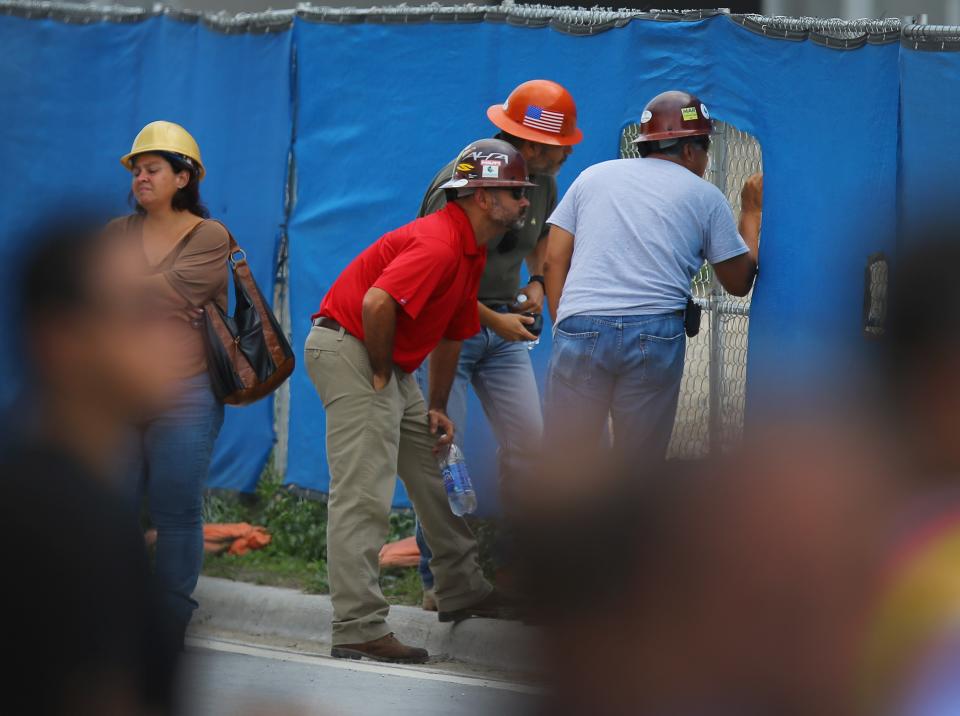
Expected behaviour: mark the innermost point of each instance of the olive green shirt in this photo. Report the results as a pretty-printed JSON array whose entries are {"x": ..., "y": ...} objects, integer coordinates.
[{"x": 505, "y": 255}]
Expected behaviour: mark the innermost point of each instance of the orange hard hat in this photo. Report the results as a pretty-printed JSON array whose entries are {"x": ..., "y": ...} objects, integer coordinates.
[
  {"x": 539, "y": 111},
  {"x": 672, "y": 115}
]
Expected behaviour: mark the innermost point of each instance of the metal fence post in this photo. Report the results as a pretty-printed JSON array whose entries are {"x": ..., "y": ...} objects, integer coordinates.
[
  {"x": 716, "y": 371},
  {"x": 718, "y": 169}
]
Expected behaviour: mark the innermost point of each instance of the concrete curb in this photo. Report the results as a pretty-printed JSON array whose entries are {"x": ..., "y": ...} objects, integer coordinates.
[{"x": 288, "y": 614}]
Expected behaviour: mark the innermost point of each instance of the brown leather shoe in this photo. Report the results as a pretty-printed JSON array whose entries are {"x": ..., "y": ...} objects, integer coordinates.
[
  {"x": 492, "y": 606},
  {"x": 387, "y": 648}
]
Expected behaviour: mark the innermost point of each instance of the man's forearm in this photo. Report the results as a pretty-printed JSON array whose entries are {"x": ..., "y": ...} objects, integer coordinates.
[
  {"x": 535, "y": 260},
  {"x": 750, "y": 231},
  {"x": 556, "y": 266},
  {"x": 443, "y": 369},
  {"x": 379, "y": 328},
  {"x": 554, "y": 276}
]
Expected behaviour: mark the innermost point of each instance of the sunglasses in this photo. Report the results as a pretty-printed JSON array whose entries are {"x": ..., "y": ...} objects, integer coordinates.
[{"x": 517, "y": 192}]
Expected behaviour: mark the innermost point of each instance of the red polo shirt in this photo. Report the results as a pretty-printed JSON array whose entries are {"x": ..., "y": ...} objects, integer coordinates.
[{"x": 432, "y": 268}]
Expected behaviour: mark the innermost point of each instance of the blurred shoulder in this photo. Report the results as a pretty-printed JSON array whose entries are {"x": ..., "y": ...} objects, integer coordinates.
[{"x": 122, "y": 224}]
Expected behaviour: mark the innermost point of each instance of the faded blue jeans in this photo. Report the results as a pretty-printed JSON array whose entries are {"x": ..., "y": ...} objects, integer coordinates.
[
  {"x": 171, "y": 463},
  {"x": 502, "y": 375},
  {"x": 625, "y": 367}
]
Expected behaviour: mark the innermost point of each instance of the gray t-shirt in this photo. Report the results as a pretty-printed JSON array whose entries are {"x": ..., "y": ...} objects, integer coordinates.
[
  {"x": 506, "y": 254},
  {"x": 642, "y": 229}
]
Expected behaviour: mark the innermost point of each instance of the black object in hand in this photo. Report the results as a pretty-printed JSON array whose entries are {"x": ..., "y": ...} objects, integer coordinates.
[{"x": 537, "y": 326}]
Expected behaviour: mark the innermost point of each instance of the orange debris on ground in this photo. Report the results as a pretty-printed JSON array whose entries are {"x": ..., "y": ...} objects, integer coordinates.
[
  {"x": 236, "y": 538},
  {"x": 402, "y": 553}
]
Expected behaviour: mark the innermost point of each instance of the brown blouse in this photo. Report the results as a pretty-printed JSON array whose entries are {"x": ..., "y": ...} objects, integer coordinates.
[{"x": 197, "y": 269}]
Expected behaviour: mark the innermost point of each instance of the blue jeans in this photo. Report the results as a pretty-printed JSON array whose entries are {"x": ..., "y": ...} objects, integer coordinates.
[
  {"x": 625, "y": 367},
  {"x": 502, "y": 376},
  {"x": 172, "y": 460}
]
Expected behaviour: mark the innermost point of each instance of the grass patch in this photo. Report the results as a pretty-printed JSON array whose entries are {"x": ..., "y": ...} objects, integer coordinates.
[
  {"x": 401, "y": 585},
  {"x": 297, "y": 555},
  {"x": 267, "y": 566}
]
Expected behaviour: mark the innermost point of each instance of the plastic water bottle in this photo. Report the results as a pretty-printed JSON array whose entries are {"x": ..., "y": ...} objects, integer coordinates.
[
  {"x": 457, "y": 483},
  {"x": 522, "y": 298}
]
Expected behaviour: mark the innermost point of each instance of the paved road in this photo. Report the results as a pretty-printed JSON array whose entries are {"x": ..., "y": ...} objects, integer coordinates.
[{"x": 226, "y": 677}]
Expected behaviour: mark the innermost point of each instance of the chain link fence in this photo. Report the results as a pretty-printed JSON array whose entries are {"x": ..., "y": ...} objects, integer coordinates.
[{"x": 710, "y": 413}]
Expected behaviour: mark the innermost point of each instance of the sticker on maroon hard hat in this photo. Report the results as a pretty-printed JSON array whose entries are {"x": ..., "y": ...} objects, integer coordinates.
[
  {"x": 464, "y": 167},
  {"x": 689, "y": 113},
  {"x": 490, "y": 169},
  {"x": 646, "y": 116},
  {"x": 703, "y": 111},
  {"x": 457, "y": 183},
  {"x": 478, "y": 154}
]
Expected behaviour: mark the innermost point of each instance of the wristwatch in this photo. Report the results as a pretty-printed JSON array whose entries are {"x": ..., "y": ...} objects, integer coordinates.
[{"x": 539, "y": 279}]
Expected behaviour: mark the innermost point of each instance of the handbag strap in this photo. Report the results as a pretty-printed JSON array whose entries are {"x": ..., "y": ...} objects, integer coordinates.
[{"x": 234, "y": 247}]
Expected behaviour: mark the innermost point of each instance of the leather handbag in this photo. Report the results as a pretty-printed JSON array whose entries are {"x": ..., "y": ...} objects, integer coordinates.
[{"x": 248, "y": 354}]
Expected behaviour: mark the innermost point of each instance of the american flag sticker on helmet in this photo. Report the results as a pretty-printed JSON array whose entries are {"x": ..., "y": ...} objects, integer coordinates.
[{"x": 540, "y": 118}]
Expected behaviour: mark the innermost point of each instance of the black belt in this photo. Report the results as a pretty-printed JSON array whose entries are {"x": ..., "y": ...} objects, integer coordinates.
[{"x": 326, "y": 322}]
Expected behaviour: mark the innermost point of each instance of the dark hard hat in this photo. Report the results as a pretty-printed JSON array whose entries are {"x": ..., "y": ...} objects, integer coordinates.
[
  {"x": 489, "y": 163},
  {"x": 672, "y": 115}
]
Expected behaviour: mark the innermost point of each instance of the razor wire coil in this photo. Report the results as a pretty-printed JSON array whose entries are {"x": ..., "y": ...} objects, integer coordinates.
[{"x": 842, "y": 34}]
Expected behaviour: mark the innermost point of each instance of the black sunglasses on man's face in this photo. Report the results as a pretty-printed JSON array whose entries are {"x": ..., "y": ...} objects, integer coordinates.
[{"x": 517, "y": 192}]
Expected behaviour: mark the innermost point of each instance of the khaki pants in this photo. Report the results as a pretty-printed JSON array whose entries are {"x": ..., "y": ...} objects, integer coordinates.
[{"x": 371, "y": 438}]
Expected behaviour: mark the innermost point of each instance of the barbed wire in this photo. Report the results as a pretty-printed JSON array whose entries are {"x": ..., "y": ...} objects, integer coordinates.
[{"x": 847, "y": 34}]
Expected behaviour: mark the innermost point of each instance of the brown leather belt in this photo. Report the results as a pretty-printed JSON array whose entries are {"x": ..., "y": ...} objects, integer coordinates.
[{"x": 326, "y": 322}]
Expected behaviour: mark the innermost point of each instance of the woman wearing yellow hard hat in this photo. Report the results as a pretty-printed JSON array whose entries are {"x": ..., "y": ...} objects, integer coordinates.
[{"x": 184, "y": 260}]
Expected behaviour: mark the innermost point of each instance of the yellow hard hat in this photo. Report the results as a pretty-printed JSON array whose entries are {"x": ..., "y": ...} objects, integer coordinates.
[{"x": 165, "y": 137}]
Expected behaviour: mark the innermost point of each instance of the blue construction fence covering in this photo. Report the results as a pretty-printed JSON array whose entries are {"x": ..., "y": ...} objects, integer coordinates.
[
  {"x": 369, "y": 104},
  {"x": 74, "y": 94}
]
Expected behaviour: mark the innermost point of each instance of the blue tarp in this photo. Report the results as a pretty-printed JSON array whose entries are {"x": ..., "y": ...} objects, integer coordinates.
[
  {"x": 379, "y": 107},
  {"x": 930, "y": 95},
  {"x": 72, "y": 98},
  {"x": 383, "y": 106}
]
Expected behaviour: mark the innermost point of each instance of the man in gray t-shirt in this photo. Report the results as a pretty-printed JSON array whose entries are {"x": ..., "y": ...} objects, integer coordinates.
[
  {"x": 626, "y": 241},
  {"x": 539, "y": 118}
]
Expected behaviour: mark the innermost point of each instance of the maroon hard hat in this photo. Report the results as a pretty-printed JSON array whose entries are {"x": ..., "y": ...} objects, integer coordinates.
[
  {"x": 490, "y": 163},
  {"x": 672, "y": 115}
]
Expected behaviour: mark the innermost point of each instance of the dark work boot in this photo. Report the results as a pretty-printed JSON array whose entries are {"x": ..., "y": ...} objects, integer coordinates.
[
  {"x": 492, "y": 606},
  {"x": 387, "y": 648}
]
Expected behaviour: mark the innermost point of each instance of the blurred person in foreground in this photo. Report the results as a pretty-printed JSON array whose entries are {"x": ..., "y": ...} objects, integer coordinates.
[
  {"x": 183, "y": 260},
  {"x": 814, "y": 573},
  {"x": 83, "y": 634},
  {"x": 734, "y": 588},
  {"x": 412, "y": 291},
  {"x": 625, "y": 243},
  {"x": 910, "y": 656}
]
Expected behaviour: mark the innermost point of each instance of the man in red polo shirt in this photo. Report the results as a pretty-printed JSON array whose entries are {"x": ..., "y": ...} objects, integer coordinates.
[{"x": 412, "y": 292}]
